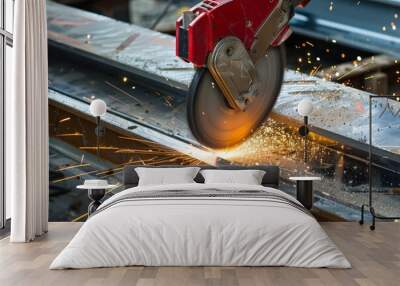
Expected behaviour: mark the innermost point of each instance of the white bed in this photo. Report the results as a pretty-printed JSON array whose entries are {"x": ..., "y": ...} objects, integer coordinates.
[{"x": 265, "y": 229}]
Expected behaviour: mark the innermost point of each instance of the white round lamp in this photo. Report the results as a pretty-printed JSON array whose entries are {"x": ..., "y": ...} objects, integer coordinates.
[
  {"x": 305, "y": 107},
  {"x": 98, "y": 108}
]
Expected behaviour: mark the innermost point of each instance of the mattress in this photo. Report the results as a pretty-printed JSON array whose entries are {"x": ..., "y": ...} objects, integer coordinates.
[{"x": 201, "y": 225}]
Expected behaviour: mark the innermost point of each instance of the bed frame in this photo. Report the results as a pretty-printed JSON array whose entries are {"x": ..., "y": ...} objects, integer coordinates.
[{"x": 271, "y": 177}]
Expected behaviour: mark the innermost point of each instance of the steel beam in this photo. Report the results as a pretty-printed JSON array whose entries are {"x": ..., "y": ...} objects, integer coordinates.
[{"x": 369, "y": 25}]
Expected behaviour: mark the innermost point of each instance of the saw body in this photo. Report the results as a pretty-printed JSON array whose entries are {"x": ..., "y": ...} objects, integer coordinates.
[{"x": 235, "y": 46}]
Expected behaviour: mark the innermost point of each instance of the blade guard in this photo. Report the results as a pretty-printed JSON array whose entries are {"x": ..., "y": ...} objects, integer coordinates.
[{"x": 213, "y": 20}]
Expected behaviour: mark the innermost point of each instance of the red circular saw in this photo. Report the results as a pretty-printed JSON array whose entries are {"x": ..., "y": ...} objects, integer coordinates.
[{"x": 235, "y": 48}]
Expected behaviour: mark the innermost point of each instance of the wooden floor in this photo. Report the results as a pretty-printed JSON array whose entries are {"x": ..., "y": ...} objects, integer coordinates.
[{"x": 375, "y": 257}]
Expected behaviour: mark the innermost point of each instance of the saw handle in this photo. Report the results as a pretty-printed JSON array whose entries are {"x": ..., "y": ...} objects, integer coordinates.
[{"x": 301, "y": 3}]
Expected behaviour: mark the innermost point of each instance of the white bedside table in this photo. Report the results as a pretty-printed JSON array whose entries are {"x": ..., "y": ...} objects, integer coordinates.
[
  {"x": 96, "y": 192},
  {"x": 304, "y": 192}
]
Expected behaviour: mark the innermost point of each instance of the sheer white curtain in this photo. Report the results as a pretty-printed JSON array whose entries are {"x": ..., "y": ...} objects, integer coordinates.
[{"x": 27, "y": 124}]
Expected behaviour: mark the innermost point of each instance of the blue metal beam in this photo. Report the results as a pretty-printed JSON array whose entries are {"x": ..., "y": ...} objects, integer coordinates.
[{"x": 370, "y": 25}]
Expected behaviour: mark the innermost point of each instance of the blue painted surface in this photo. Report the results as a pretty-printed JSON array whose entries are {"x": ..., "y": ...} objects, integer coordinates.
[{"x": 366, "y": 25}]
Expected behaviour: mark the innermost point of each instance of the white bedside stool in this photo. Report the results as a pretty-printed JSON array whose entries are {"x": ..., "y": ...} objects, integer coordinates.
[{"x": 96, "y": 192}]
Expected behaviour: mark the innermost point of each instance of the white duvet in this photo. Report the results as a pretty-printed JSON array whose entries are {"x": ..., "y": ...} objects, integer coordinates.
[{"x": 200, "y": 232}]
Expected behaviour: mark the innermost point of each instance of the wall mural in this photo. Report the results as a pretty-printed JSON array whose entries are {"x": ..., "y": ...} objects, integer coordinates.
[{"x": 135, "y": 71}]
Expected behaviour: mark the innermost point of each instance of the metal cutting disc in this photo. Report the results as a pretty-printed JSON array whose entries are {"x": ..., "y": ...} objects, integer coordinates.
[{"x": 217, "y": 125}]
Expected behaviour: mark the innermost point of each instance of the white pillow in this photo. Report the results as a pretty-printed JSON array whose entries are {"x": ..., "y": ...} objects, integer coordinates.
[
  {"x": 166, "y": 176},
  {"x": 247, "y": 177}
]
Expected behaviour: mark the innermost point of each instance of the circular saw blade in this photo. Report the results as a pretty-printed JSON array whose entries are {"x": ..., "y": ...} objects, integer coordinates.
[{"x": 214, "y": 123}]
